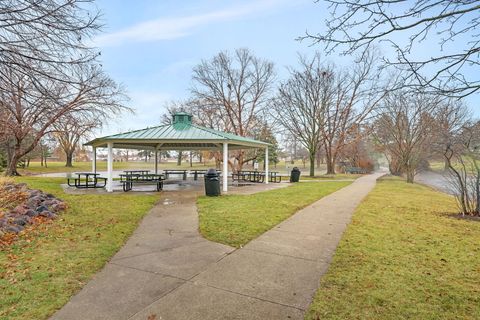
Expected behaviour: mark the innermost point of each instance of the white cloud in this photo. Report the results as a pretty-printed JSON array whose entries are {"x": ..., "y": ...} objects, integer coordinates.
[{"x": 167, "y": 28}]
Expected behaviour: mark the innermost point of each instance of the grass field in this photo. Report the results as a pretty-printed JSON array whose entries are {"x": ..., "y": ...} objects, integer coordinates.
[
  {"x": 437, "y": 166},
  {"x": 36, "y": 168},
  {"x": 236, "y": 219},
  {"x": 338, "y": 176},
  {"x": 43, "y": 269},
  {"x": 403, "y": 257},
  {"x": 58, "y": 166}
]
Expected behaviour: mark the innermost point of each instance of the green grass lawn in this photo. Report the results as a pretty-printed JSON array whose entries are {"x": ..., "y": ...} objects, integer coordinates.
[
  {"x": 403, "y": 257},
  {"x": 42, "y": 270},
  {"x": 57, "y": 166},
  {"x": 236, "y": 219},
  {"x": 338, "y": 176},
  {"x": 438, "y": 166}
]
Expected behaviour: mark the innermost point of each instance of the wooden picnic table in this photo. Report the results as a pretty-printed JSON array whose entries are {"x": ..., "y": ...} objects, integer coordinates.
[{"x": 86, "y": 180}]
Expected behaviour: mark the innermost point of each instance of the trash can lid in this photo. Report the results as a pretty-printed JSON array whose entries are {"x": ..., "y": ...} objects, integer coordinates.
[{"x": 211, "y": 172}]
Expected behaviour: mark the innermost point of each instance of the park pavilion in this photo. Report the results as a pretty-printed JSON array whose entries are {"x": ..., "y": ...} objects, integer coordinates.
[{"x": 181, "y": 134}]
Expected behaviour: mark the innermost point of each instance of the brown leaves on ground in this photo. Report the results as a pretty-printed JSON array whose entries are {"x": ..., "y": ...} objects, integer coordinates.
[
  {"x": 10, "y": 194},
  {"x": 28, "y": 234}
]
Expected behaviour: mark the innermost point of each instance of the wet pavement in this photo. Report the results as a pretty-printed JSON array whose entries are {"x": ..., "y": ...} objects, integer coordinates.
[
  {"x": 178, "y": 185},
  {"x": 167, "y": 270}
]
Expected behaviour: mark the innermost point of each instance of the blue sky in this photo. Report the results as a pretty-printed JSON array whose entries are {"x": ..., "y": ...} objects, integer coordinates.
[{"x": 152, "y": 46}]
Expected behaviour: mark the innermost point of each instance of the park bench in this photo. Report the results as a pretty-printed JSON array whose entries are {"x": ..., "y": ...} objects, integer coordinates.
[
  {"x": 128, "y": 180},
  {"x": 87, "y": 180},
  {"x": 355, "y": 170}
]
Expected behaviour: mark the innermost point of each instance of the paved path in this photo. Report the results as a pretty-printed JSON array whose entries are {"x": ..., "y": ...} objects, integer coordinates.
[{"x": 168, "y": 271}]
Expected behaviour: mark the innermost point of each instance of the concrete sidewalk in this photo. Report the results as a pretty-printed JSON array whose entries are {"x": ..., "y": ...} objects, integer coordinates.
[{"x": 168, "y": 271}]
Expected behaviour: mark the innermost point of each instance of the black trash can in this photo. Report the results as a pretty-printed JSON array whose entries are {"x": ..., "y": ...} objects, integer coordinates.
[
  {"x": 212, "y": 183},
  {"x": 295, "y": 175}
]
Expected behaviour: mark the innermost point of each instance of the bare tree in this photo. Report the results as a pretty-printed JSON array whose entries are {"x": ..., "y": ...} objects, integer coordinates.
[
  {"x": 94, "y": 96},
  {"x": 325, "y": 106},
  {"x": 301, "y": 102},
  {"x": 49, "y": 71},
  {"x": 41, "y": 38},
  {"x": 450, "y": 119},
  {"x": 238, "y": 86},
  {"x": 69, "y": 131},
  {"x": 355, "y": 93},
  {"x": 404, "y": 130},
  {"x": 462, "y": 155},
  {"x": 355, "y": 26}
]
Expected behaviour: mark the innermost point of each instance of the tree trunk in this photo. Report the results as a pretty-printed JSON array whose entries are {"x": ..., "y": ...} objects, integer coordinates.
[
  {"x": 69, "y": 162},
  {"x": 191, "y": 158},
  {"x": 410, "y": 175},
  {"x": 329, "y": 159},
  {"x": 312, "y": 163},
  {"x": 330, "y": 167},
  {"x": 319, "y": 159},
  {"x": 11, "y": 169},
  {"x": 179, "y": 159}
]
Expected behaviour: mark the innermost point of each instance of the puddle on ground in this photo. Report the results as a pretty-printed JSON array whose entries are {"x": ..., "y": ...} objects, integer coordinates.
[{"x": 168, "y": 202}]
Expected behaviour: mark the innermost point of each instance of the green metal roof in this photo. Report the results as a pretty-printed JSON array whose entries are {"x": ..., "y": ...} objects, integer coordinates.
[{"x": 179, "y": 135}]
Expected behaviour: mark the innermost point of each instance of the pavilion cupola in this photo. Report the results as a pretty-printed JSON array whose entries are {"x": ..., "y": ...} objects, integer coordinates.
[{"x": 182, "y": 117}]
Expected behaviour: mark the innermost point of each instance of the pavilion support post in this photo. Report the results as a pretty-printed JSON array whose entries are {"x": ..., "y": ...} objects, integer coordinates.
[
  {"x": 225, "y": 167},
  {"x": 266, "y": 166},
  {"x": 156, "y": 161},
  {"x": 110, "y": 167},
  {"x": 94, "y": 160}
]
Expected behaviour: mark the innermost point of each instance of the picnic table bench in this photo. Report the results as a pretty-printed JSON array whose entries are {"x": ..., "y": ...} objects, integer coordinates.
[
  {"x": 197, "y": 172},
  {"x": 87, "y": 180},
  {"x": 250, "y": 176},
  {"x": 256, "y": 176},
  {"x": 141, "y": 172},
  {"x": 129, "y": 179},
  {"x": 169, "y": 172},
  {"x": 275, "y": 177}
]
